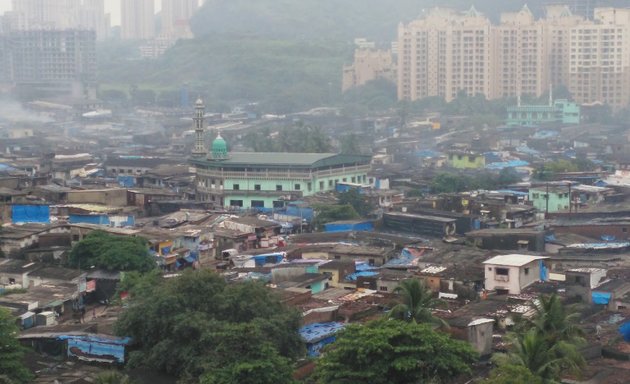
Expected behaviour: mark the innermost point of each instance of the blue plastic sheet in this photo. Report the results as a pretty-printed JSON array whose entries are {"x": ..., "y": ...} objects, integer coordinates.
[
  {"x": 624, "y": 329},
  {"x": 601, "y": 297},
  {"x": 30, "y": 214}
]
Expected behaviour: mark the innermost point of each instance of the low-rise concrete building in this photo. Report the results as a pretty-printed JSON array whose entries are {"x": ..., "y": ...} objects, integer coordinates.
[{"x": 511, "y": 273}]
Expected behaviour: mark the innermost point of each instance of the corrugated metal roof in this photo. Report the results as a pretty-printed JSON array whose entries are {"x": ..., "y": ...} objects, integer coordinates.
[
  {"x": 514, "y": 260},
  {"x": 252, "y": 159}
]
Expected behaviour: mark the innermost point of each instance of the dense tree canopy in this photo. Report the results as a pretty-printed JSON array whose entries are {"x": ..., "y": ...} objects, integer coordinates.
[
  {"x": 198, "y": 326},
  {"x": 120, "y": 253},
  {"x": 298, "y": 138},
  {"x": 446, "y": 182},
  {"x": 394, "y": 352},
  {"x": 329, "y": 213},
  {"x": 357, "y": 200},
  {"x": 12, "y": 369}
]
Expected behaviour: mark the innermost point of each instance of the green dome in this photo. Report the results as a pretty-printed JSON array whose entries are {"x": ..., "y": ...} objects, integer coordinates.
[{"x": 219, "y": 148}]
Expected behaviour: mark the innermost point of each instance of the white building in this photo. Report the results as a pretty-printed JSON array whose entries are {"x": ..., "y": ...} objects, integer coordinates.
[
  {"x": 137, "y": 19},
  {"x": 511, "y": 273},
  {"x": 176, "y": 15}
]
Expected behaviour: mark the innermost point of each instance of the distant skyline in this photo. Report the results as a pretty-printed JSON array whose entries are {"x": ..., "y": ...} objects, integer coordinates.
[{"x": 111, "y": 6}]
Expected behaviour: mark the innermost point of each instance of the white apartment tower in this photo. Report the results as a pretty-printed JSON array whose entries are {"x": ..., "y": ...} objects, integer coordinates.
[
  {"x": 443, "y": 53},
  {"x": 59, "y": 15},
  {"x": 137, "y": 19},
  {"x": 176, "y": 15},
  {"x": 519, "y": 60}
]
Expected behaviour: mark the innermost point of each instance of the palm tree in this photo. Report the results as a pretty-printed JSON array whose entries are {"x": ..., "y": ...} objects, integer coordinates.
[
  {"x": 544, "y": 359},
  {"x": 555, "y": 321},
  {"x": 416, "y": 305}
]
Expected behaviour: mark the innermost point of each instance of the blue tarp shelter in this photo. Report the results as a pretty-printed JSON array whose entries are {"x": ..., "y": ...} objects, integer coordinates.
[
  {"x": 347, "y": 226},
  {"x": 30, "y": 214}
]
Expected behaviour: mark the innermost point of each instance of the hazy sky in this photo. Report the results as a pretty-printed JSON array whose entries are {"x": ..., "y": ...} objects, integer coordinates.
[{"x": 111, "y": 6}]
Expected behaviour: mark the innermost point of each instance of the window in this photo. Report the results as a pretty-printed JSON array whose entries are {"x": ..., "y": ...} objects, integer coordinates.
[
  {"x": 502, "y": 271},
  {"x": 256, "y": 187},
  {"x": 624, "y": 229},
  {"x": 278, "y": 187},
  {"x": 258, "y": 204},
  {"x": 236, "y": 187},
  {"x": 297, "y": 187},
  {"x": 354, "y": 179},
  {"x": 309, "y": 186},
  {"x": 321, "y": 185},
  {"x": 236, "y": 203},
  {"x": 526, "y": 271},
  {"x": 330, "y": 183},
  {"x": 382, "y": 288},
  {"x": 278, "y": 204}
]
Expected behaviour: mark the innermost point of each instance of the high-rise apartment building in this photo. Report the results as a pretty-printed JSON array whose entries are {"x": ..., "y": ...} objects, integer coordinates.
[
  {"x": 519, "y": 66},
  {"x": 91, "y": 15},
  {"x": 59, "y": 15},
  {"x": 446, "y": 52},
  {"x": 51, "y": 62},
  {"x": 443, "y": 53},
  {"x": 176, "y": 15},
  {"x": 599, "y": 65},
  {"x": 137, "y": 19}
]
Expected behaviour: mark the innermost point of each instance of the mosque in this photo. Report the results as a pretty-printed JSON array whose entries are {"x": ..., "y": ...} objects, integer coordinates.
[{"x": 266, "y": 179}]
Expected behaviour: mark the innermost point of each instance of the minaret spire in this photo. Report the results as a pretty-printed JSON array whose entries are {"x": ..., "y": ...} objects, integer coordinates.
[{"x": 199, "y": 149}]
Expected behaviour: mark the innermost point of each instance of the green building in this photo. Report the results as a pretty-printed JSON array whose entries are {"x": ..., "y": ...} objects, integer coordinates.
[
  {"x": 267, "y": 179},
  {"x": 466, "y": 160},
  {"x": 558, "y": 112},
  {"x": 557, "y": 196}
]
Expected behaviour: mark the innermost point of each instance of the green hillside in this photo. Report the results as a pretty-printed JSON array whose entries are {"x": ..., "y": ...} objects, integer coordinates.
[{"x": 283, "y": 75}]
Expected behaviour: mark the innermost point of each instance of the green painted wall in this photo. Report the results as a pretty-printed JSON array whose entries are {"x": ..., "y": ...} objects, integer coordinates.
[
  {"x": 558, "y": 200},
  {"x": 323, "y": 184},
  {"x": 466, "y": 161}
]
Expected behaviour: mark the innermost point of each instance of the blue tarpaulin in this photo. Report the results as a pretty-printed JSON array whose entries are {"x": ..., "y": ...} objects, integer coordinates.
[
  {"x": 624, "y": 329},
  {"x": 544, "y": 273},
  {"x": 126, "y": 181},
  {"x": 601, "y": 297},
  {"x": 356, "y": 275},
  {"x": 317, "y": 335},
  {"x": 88, "y": 219},
  {"x": 30, "y": 214},
  {"x": 349, "y": 226}
]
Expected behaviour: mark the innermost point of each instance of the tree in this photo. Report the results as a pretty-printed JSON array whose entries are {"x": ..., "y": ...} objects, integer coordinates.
[
  {"x": 547, "y": 344},
  {"x": 542, "y": 358},
  {"x": 296, "y": 138},
  {"x": 102, "y": 250},
  {"x": 511, "y": 374},
  {"x": 416, "y": 303},
  {"x": 554, "y": 321},
  {"x": 350, "y": 144},
  {"x": 12, "y": 369},
  {"x": 196, "y": 325},
  {"x": 113, "y": 377},
  {"x": 357, "y": 200},
  {"x": 391, "y": 351},
  {"x": 329, "y": 213}
]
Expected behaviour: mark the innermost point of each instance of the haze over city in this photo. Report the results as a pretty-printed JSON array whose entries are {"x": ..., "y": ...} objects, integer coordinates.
[{"x": 314, "y": 191}]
